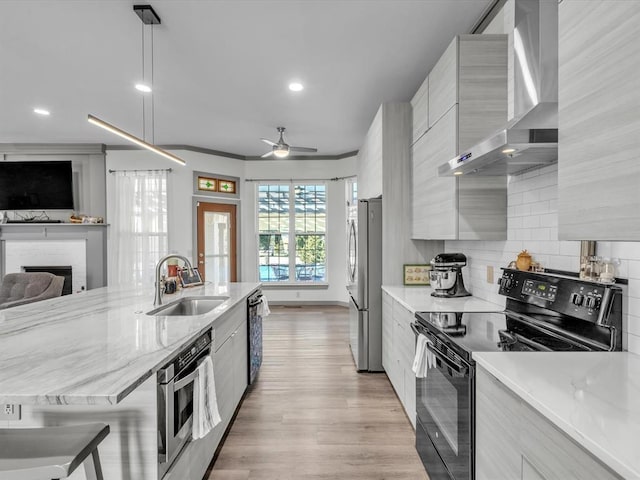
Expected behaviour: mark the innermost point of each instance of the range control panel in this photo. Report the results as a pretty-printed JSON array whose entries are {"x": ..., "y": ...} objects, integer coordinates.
[
  {"x": 193, "y": 350},
  {"x": 567, "y": 295},
  {"x": 540, "y": 289}
]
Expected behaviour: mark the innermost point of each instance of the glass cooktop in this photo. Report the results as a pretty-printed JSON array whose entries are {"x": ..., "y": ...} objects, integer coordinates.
[
  {"x": 495, "y": 332},
  {"x": 469, "y": 332}
]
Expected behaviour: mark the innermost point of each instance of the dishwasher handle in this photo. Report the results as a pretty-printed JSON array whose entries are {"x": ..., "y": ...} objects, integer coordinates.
[{"x": 255, "y": 300}]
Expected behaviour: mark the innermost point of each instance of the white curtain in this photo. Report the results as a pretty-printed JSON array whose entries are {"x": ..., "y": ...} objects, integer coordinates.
[{"x": 138, "y": 226}]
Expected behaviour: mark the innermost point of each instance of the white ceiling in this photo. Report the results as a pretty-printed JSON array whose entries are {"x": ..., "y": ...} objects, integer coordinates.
[{"x": 221, "y": 68}]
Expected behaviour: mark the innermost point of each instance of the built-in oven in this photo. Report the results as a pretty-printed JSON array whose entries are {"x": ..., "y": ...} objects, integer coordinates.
[
  {"x": 175, "y": 399},
  {"x": 444, "y": 410}
]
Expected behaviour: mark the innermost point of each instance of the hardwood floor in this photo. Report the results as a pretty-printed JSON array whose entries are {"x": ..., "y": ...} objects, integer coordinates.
[{"x": 310, "y": 416}]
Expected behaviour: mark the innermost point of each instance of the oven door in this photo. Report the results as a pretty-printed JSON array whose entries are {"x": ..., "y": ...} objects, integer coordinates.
[
  {"x": 176, "y": 418},
  {"x": 444, "y": 406}
]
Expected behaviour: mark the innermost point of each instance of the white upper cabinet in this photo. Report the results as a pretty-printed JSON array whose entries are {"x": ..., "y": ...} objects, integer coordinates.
[
  {"x": 443, "y": 85},
  {"x": 370, "y": 161},
  {"x": 435, "y": 198},
  {"x": 467, "y": 101},
  {"x": 599, "y": 120},
  {"x": 420, "y": 109}
]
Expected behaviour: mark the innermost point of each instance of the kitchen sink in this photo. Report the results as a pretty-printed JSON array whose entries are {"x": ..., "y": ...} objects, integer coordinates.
[{"x": 188, "y": 306}]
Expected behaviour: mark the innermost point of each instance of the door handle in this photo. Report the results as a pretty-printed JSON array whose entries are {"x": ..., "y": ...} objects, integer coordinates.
[
  {"x": 180, "y": 384},
  {"x": 461, "y": 369},
  {"x": 415, "y": 329}
]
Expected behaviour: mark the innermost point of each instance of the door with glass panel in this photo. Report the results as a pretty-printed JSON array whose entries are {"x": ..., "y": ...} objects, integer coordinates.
[{"x": 217, "y": 242}]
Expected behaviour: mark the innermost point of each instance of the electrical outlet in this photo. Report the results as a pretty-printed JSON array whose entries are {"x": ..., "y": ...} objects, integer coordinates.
[
  {"x": 10, "y": 412},
  {"x": 490, "y": 274}
]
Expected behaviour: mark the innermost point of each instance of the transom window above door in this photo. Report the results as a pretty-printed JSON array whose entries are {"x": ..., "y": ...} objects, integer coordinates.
[{"x": 292, "y": 221}]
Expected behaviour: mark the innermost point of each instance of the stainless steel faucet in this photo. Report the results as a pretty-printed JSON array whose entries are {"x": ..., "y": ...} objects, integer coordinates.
[{"x": 158, "y": 285}]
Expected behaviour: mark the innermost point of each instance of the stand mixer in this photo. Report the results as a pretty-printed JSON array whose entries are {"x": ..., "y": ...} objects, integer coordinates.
[{"x": 446, "y": 275}]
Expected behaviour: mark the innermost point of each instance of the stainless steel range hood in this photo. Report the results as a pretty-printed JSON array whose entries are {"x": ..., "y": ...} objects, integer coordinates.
[
  {"x": 506, "y": 153},
  {"x": 530, "y": 139}
]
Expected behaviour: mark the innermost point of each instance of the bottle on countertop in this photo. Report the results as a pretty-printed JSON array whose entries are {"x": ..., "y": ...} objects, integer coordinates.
[
  {"x": 608, "y": 270},
  {"x": 592, "y": 269}
]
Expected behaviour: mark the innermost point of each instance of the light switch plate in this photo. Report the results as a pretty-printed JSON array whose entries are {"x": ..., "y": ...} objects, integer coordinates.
[
  {"x": 490, "y": 274},
  {"x": 10, "y": 412}
]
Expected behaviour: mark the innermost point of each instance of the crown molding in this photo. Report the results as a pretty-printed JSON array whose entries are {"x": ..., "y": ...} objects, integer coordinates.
[
  {"x": 219, "y": 153},
  {"x": 52, "y": 148}
]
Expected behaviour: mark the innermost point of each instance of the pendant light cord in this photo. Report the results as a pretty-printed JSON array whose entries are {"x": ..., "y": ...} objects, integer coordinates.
[
  {"x": 153, "y": 88},
  {"x": 144, "y": 80}
]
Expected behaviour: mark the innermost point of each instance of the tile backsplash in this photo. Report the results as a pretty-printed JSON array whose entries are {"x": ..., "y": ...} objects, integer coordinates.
[{"x": 533, "y": 225}]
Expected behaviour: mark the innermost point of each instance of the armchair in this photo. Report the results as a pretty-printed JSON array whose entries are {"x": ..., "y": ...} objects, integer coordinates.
[{"x": 21, "y": 288}]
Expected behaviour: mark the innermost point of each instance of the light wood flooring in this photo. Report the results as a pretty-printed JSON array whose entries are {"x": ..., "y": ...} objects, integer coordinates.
[{"x": 310, "y": 416}]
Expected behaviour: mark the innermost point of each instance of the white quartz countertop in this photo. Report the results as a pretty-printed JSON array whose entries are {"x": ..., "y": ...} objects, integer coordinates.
[
  {"x": 419, "y": 299},
  {"x": 98, "y": 346},
  {"x": 593, "y": 397}
]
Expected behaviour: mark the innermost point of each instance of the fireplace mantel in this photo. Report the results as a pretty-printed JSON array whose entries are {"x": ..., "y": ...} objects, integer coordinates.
[{"x": 95, "y": 236}]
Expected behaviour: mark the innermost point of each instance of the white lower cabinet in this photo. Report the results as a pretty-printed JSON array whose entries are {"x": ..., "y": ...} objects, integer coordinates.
[
  {"x": 387, "y": 335},
  {"x": 398, "y": 350},
  {"x": 230, "y": 365},
  {"x": 223, "y": 373},
  {"x": 513, "y": 441}
]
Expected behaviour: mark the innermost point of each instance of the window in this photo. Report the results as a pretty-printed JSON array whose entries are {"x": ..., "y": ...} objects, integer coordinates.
[
  {"x": 139, "y": 226},
  {"x": 292, "y": 221}
]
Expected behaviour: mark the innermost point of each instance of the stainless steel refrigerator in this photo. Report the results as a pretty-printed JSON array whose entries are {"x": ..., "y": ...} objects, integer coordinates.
[{"x": 364, "y": 284}]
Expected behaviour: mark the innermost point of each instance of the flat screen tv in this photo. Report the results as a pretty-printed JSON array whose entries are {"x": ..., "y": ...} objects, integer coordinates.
[{"x": 36, "y": 186}]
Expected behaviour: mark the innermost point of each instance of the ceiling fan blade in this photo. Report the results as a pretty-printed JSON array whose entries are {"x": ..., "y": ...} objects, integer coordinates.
[
  {"x": 268, "y": 154},
  {"x": 302, "y": 149},
  {"x": 268, "y": 142}
]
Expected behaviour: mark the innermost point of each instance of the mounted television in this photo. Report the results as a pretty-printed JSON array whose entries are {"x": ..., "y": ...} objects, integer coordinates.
[{"x": 36, "y": 186}]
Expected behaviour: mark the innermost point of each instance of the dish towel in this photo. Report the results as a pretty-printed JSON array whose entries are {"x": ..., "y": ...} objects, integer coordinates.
[
  {"x": 424, "y": 358},
  {"x": 263, "y": 307},
  {"x": 205, "y": 403}
]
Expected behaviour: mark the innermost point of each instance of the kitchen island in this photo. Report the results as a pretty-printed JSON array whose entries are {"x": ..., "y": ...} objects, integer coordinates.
[
  {"x": 94, "y": 357},
  {"x": 557, "y": 415}
]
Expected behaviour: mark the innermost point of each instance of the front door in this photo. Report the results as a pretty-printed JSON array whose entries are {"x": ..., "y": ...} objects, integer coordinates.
[{"x": 217, "y": 242}]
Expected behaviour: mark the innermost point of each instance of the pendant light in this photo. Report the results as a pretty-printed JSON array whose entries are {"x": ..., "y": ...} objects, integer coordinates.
[{"x": 149, "y": 17}]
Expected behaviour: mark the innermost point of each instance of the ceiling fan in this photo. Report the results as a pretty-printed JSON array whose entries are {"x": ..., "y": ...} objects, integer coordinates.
[{"x": 282, "y": 149}]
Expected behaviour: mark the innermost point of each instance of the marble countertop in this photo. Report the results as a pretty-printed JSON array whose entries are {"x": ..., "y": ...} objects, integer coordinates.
[
  {"x": 593, "y": 397},
  {"x": 96, "y": 347},
  {"x": 419, "y": 299}
]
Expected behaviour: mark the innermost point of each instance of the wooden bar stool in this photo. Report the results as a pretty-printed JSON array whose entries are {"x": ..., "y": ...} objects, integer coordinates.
[{"x": 51, "y": 453}]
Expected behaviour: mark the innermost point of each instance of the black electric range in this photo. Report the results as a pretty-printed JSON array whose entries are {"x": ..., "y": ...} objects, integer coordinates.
[{"x": 543, "y": 313}]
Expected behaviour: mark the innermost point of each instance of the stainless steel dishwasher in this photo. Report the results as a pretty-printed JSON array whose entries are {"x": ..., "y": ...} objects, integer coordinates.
[{"x": 254, "y": 324}]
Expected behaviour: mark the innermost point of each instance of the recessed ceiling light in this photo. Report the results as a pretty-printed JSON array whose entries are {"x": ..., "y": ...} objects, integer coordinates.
[
  {"x": 143, "y": 88},
  {"x": 41, "y": 111},
  {"x": 457, "y": 173},
  {"x": 508, "y": 150},
  {"x": 296, "y": 87}
]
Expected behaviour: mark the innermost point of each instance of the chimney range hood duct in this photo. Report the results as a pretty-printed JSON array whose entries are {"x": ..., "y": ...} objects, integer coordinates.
[{"x": 530, "y": 140}]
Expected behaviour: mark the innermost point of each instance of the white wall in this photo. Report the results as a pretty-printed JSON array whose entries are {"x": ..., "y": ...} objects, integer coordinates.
[
  {"x": 179, "y": 186},
  {"x": 533, "y": 225},
  {"x": 180, "y": 221},
  {"x": 336, "y": 226}
]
